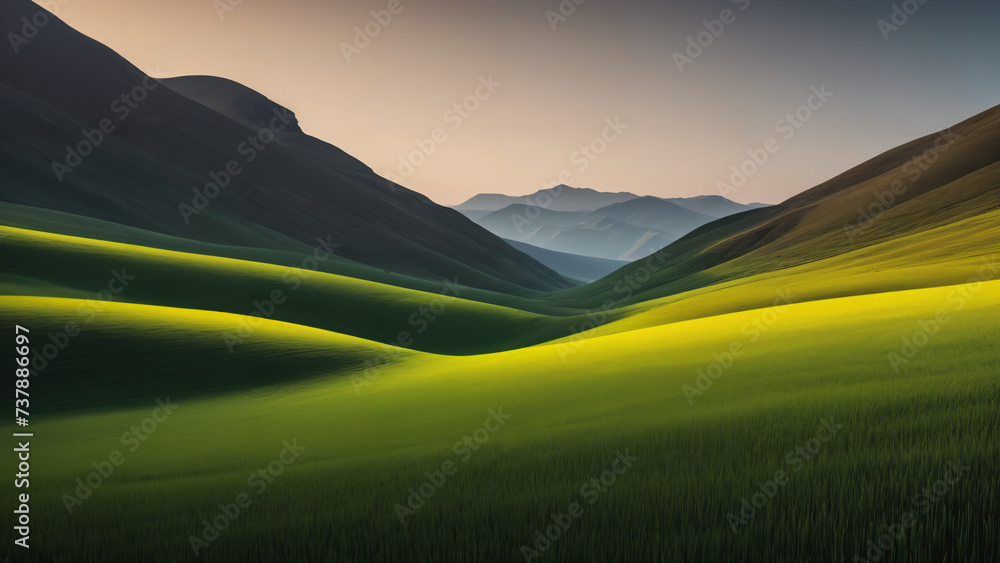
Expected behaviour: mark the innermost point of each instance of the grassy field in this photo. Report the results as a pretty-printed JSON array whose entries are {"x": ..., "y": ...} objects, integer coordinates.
[
  {"x": 787, "y": 405},
  {"x": 366, "y": 447},
  {"x": 322, "y": 365}
]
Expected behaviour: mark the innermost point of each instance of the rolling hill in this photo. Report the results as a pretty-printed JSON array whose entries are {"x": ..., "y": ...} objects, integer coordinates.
[
  {"x": 780, "y": 384},
  {"x": 903, "y": 194},
  {"x": 789, "y": 348}
]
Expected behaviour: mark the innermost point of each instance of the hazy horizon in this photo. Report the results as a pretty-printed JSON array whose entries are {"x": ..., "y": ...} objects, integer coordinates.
[{"x": 545, "y": 92}]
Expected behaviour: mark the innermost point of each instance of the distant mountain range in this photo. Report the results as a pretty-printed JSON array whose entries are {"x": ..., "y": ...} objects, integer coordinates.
[
  {"x": 611, "y": 226},
  {"x": 559, "y": 198}
]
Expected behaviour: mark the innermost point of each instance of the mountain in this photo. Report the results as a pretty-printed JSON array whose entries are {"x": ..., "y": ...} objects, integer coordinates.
[
  {"x": 859, "y": 317},
  {"x": 572, "y": 220},
  {"x": 475, "y": 214},
  {"x": 600, "y": 237},
  {"x": 574, "y": 266},
  {"x": 655, "y": 213},
  {"x": 87, "y": 133},
  {"x": 565, "y": 198},
  {"x": 621, "y": 231},
  {"x": 575, "y": 232},
  {"x": 559, "y": 198},
  {"x": 518, "y": 221},
  {"x": 713, "y": 205},
  {"x": 233, "y": 100},
  {"x": 925, "y": 201}
]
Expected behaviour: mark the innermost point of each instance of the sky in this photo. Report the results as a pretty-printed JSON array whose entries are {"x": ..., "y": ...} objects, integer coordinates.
[{"x": 753, "y": 100}]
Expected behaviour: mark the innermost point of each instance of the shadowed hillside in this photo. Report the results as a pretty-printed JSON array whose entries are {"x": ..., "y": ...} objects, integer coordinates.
[{"x": 87, "y": 133}]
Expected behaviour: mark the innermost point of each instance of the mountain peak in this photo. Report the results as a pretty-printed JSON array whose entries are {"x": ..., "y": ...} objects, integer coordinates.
[
  {"x": 236, "y": 101},
  {"x": 585, "y": 190},
  {"x": 557, "y": 198}
]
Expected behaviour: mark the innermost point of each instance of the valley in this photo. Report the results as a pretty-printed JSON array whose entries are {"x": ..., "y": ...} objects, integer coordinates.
[{"x": 248, "y": 345}]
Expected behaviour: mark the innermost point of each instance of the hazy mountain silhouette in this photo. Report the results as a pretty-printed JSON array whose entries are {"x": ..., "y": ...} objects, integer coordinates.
[{"x": 622, "y": 231}]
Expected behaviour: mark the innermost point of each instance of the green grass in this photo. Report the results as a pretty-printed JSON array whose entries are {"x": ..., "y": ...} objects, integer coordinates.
[
  {"x": 575, "y": 396},
  {"x": 819, "y": 359},
  {"x": 49, "y": 265},
  {"x": 956, "y": 184}
]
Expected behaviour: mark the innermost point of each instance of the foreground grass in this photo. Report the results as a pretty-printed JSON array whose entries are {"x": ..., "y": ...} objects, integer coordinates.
[{"x": 569, "y": 416}]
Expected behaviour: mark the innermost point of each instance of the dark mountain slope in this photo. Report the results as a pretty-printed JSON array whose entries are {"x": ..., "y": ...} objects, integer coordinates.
[{"x": 152, "y": 165}]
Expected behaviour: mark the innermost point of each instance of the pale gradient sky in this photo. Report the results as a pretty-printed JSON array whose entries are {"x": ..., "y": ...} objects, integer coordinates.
[{"x": 609, "y": 59}]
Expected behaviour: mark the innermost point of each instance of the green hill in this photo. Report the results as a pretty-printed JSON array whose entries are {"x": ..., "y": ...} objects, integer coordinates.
[
  {"x": 928, "y": 183},
  {"x": 789, "y": 383}
]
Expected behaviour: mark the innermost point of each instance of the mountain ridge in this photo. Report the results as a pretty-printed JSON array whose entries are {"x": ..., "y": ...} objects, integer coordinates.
[
  {"x": 624, "y": 230},
  {"x": 129, "y": 149}
]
